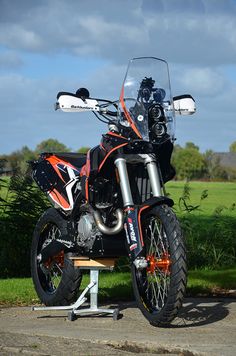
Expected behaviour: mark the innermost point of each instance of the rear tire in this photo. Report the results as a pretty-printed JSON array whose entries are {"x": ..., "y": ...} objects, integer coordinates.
[
  {"x": 57, "y": 280},
  {"x": 159, "y": 289}
]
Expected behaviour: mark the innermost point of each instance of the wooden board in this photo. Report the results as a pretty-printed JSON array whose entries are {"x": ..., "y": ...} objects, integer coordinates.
[{"x": 99, "y": 263}]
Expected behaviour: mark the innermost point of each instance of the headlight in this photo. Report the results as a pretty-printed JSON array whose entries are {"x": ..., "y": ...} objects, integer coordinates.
[
  {"x": 159, "y": 129},
  {"x": 156, "y": 113},
  {"x": 157, "y": 121}
]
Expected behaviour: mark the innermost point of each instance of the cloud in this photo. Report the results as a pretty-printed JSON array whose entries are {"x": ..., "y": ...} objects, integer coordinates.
[
  {"x": 198, "y": 38},
  {"x": 15, "y": 36},
  {"x": 200, "y": 81},
  {"x": 187, "y": 32}
]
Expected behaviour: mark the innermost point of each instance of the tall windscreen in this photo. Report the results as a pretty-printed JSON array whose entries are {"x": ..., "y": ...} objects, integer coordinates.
[{"x": 146, "y": 94}]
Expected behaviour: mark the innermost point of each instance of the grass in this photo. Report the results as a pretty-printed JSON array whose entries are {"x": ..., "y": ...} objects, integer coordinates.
[
  {"x": 219, "y": 194},
  {"x": 117, "y": 286},
  {"x": 211, "y": 282}
]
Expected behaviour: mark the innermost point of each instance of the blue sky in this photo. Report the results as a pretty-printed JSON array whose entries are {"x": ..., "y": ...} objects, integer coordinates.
[{"x": 47, "y": 46}]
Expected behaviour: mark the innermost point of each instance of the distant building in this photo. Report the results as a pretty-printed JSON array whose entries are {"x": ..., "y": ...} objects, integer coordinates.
[
  {"x": 6, "y": 172},
  {"x": 226, "y": 159}
]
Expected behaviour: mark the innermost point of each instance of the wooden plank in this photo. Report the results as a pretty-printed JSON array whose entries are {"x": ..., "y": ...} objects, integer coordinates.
[{"x": 78, "y": 262}]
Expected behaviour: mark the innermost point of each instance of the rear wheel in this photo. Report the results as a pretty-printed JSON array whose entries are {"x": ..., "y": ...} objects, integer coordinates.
[
  {"x": 56, "y": 281},
  {"x": 159, "y": 288}
]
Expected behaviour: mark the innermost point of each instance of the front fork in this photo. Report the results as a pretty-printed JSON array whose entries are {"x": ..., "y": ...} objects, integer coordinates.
[{"x": 132, "y": 219}]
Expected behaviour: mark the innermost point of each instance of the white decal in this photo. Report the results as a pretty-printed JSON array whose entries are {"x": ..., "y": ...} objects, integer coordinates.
[
  {"x": 132, "y": 247},
  {"x": 126, "y": 233},
  {"x": 140, "y": 118},
  {"x": 132, "y": 232}
]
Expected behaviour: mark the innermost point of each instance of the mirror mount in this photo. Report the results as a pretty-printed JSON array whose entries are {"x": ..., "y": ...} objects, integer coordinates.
[{"x": 82, "y": 93}]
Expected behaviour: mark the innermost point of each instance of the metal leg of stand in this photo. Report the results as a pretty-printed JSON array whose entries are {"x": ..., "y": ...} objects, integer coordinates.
[
  {"x": 94, "y": 277},
  {"x": 74, "y": 306},
  {"x": 93, "y": 309}
]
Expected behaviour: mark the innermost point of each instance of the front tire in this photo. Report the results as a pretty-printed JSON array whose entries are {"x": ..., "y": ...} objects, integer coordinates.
[
  {"x": 57, "y": 280},
  {"x": 159, "y": 288}
]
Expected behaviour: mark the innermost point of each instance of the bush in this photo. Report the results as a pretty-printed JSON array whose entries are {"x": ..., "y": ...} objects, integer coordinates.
[
  {"x": 18, "y": 217},
  {"x": 210, "y": 239}
]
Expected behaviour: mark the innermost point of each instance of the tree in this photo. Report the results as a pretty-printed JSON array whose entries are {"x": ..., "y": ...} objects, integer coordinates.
[
  {"x": 2, "y": 163},
  {"x": 191, "y": 145},
  {"x": 51, "y": 145},
  {"x": 83, "y": 149},
  {"x": 232, "y": 147},
  {"x": 214, "y": 170},
  {"x": 17, "y": 160},
  {"x": 189, "y": 162}
]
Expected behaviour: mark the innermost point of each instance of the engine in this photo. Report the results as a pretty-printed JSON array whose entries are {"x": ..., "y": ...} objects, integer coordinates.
[{"x": 87, "y": 231}]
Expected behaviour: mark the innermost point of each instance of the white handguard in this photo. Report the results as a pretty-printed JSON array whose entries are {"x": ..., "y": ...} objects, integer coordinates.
[
  {"x": 184, "y": 105},
  {"x": 71, "y": 103}
]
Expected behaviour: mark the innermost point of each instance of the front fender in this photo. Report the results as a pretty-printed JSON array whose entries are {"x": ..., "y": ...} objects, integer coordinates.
[
  {"x": 155, "y": 201},
  {"x": 133, "y": 224}
]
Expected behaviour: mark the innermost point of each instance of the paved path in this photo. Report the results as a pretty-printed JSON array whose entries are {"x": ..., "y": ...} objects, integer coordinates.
[{"x": 204, "y": 327}]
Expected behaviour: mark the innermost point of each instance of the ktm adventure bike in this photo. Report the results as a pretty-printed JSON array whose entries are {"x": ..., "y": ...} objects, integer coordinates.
[{"x": 112, "y": 201}]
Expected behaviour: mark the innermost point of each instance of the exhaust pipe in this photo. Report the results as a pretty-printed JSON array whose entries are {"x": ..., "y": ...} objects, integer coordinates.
[{"x": 109, "y": 230}]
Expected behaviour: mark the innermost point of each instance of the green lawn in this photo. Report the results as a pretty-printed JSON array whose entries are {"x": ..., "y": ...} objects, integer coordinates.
[
  {"x": 219, "y": 194},
  {"x": 117, "y": 286}
]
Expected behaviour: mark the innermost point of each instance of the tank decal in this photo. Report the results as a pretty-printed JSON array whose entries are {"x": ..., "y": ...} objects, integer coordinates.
[{"x": 59, "y": 199}]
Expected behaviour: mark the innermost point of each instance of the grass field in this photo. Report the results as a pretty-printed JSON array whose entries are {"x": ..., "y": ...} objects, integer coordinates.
[
  {"x": 117, "y": 286},
  {"x": 219, "y": 194}
]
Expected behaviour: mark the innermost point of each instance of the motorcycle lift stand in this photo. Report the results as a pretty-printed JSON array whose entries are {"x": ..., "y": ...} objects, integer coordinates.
[{"x": 73, "y": 310}]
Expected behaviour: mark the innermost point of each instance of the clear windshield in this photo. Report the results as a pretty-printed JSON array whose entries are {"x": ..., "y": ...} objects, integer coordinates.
[{"x": 146, "y": 88}]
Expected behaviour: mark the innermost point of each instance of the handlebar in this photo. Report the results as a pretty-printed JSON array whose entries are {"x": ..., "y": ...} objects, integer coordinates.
[{"x": 71, "y": 102}]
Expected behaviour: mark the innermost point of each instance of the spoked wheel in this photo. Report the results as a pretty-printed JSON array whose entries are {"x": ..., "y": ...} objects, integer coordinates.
[
  {"x": 50, "y": 272},
  {"x": 159, "y": 288},
  {"x": 56, "y": 281}
]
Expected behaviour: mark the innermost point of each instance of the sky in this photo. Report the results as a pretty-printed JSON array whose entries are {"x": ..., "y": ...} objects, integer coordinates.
[{"x": 47, "y": 46}]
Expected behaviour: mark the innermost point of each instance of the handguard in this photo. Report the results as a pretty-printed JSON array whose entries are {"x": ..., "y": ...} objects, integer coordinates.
[{"x": 71, "y": 103}]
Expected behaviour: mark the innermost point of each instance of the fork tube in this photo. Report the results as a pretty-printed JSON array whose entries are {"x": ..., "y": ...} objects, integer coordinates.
[
  {"x": 124, "y": 182},
  {"x": 153, "y": 176}
]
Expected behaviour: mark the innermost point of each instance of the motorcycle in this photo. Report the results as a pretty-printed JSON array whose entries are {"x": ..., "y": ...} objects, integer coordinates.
[{"x": 111, "y": 202}]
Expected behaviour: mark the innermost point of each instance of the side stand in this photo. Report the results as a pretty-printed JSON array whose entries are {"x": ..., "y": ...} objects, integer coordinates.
[{"x": 92, "y": 288}]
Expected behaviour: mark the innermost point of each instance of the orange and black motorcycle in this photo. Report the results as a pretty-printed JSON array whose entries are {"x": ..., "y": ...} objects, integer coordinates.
[{"x": 112, "y": 202}]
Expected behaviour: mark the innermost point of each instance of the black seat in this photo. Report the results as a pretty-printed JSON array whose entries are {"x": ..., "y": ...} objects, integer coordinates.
[{"x": 76, "y": 159}]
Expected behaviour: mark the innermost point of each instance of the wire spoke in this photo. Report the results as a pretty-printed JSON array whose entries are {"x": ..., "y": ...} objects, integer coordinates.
[
  {"x": 157, "y": 279},
  {"x": 53, "y": 268}
]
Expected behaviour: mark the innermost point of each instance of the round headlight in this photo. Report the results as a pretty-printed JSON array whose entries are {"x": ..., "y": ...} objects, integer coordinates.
[
  {"x": 159, "y": 129},
  {"x": 155, "y": 112}
]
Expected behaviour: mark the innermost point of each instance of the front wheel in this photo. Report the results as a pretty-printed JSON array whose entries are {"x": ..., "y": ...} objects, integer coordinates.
[{"x": 159, "y": 288}]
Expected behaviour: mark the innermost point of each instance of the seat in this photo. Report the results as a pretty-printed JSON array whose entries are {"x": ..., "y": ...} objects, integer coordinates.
[{"x": 76, "y": 159}]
